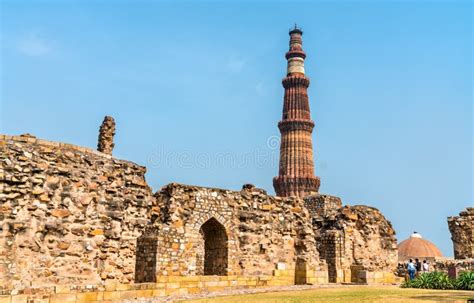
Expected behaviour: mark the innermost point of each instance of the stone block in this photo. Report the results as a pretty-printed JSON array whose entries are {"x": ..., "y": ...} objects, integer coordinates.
[
  {"x": 176, "y": 291},
  {"x": 378, "y": 275},
  {"x": 62, "y": 298},
  {"x": 128, "y": 295},
  {"x": 110, "y": 285},
  {"x": 62, "y": 289},
  {"x": 160, "y": 285},
  {"x": 111, "y": 295},
  {"x": 209, "y": 278},
  {"x": 185, "y": 279},
  {"x": 159, "y": 292},
  {"x": 173, "y": 285},
  {"x": 211, "y": 283},
  {"x": 145, "y": 293},
  {"x": 5, "y": 299},
  {"x": 86, "y": 297},
  {"x": 122, "y": 287},
  {"x": 194, "y": 290},
  {"x": 162, "y": 278},
  {"x": 190, "y": 284},
  {"x": 223, "y": 283}
]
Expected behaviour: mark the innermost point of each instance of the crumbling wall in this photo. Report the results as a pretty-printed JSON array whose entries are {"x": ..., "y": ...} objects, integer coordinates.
[
  {"x": 264, "y": 233},
  {"x": 68, "y": 215},
  {"x": 453, "y": 267},
  {"x": 352, "y": 239},
  {"x": 106, "y": 143},
  {"x": 462, "y": 233}
]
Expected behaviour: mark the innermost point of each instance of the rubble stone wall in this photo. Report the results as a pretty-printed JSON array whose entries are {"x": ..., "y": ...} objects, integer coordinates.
[
  {"x": 262, "y": 233},
  {"x": 356, "y": 241},
  {"x": 462, "y": 233},
  {"x": 68, "y": 214},
  {"x": 453, "y": 267},
  {"x": 73, "y": 218}
]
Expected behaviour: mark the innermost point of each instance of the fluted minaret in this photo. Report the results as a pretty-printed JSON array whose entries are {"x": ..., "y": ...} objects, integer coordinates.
[{"x": 296, "y": 174}]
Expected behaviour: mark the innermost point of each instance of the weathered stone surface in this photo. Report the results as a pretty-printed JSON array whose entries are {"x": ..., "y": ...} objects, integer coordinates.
[
  {"x": 55, "y": 223},
  {"x": 255, "y": 236},
  {"x": 74, "y": 216},
  {"x": 352, "y": 239},
  {"x": 453, "y": 267},
  {"x": 462, "y": 233},
  {"x": 106, "y": 136}
]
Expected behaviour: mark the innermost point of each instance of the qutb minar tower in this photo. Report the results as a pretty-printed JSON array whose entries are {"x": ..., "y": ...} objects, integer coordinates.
[{"x": 296, "y": 173}]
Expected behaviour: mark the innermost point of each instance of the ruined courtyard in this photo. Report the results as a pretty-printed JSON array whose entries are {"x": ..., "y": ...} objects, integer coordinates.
[{"x": 79, "y": 225}]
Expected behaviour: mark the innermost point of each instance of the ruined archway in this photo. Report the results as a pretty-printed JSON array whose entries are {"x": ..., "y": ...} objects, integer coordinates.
[{"x": 215, "y": 258}]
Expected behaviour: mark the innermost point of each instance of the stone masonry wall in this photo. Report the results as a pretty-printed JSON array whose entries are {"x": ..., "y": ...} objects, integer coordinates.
[
  {"x": 352, "y": 239},
  {"x": 68, "y": 215},
  {"x": 462, "y": 233},
  {"x": 73, "y": 218},
  {"x": 262, "y": 233}
]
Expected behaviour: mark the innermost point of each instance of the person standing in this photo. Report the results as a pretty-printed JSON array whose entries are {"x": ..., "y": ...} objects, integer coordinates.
[
  {"x": 418, "y": 267},
  {"x": 426, "y": 266},
  {"x": 411, "y": 269}
]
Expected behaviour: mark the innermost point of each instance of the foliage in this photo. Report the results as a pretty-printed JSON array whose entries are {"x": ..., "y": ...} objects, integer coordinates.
[
  {"x": 465, "y": 281},
  {"x": 440, "y": 280}
]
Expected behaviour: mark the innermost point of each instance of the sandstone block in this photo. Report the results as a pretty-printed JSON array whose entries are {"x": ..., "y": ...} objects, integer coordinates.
[
  {"x": 60, "y": 212},
  {"x": 63, "y": 298}
]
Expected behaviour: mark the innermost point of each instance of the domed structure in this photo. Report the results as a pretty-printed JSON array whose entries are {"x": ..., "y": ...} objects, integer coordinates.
[{"x": 417, "y": 247}]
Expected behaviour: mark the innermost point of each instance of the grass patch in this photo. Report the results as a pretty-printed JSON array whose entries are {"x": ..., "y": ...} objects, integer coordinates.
[{"x": 348, "y": 295}]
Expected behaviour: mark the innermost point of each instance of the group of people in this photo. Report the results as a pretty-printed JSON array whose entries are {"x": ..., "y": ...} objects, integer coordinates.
[{"x": 413, "y": 269}]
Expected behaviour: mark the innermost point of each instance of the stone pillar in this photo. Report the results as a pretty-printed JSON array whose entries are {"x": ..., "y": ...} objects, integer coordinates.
[
  {"x": 462, "y": 233},
  {"x": 106, "y": 136},
  {"x": 296, "y": 172}
]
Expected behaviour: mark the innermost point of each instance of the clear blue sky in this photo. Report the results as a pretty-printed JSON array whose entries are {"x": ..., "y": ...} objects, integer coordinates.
[{"x": 195, "y": 89}]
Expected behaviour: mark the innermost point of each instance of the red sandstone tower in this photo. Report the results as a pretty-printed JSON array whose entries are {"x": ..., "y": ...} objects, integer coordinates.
[{"x": 296, "y": 174}]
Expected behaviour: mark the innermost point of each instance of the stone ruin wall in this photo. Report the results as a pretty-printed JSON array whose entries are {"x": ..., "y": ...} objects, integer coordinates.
[
  {"x": 265, "y": 234},
  {"x": 68, "y": 215},
  {"x": 74, "y": 216},
  {"x": 462, "y": 233},
  {"x": 357, "y": 242}
]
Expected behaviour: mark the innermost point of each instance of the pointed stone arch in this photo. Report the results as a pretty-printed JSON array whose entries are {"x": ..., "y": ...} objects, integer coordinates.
[
  {"x": 212, "y": 254},
  {"x": 203, "y": 218}
]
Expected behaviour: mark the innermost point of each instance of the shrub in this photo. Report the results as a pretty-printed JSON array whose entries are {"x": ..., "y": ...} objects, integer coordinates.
[
  {"x": 440, "y": 280},
  {"x": 431, "y": 280},
  {"x": 465, "y": 281}
]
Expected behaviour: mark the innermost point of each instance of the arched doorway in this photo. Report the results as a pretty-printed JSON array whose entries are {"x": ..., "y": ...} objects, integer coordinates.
[{"x": 215, "y": 248}]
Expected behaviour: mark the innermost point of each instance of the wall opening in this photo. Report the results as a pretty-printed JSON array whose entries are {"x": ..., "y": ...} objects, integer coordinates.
[
  {"x": 215, "y": 248},
  {"x": 300, "y": 272},
  {"x": 332, "y": 248},
  {"x": 145, "y": 260}
]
